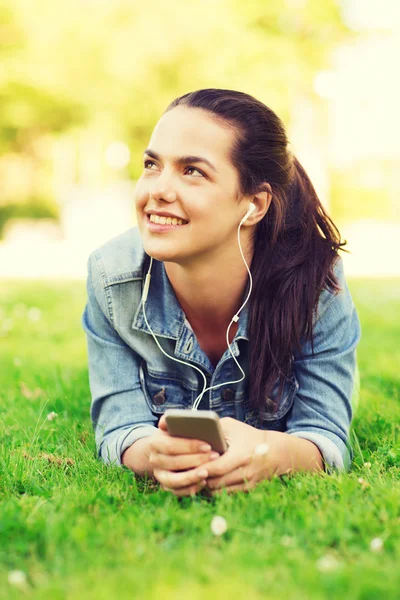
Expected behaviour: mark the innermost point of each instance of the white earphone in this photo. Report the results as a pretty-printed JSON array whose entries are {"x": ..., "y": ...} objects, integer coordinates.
[
  {"x": 235, "y": 319},
  {"x": 252, "y": 208}
]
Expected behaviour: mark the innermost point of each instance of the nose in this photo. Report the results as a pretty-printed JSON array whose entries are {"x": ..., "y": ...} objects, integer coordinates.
[
  {"x": 161, "y": 194},
  {"x": 163, "y": 188}
]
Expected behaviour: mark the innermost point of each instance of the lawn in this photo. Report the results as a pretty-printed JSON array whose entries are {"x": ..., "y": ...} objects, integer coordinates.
[{"x": 77, "y": 529}]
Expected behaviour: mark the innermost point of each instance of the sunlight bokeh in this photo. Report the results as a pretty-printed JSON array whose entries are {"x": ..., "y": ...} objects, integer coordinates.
[{"x": 78, "y": 104}]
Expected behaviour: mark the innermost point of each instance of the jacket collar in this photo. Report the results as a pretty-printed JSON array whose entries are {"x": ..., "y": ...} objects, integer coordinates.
[{"x": 163, "y": 311}]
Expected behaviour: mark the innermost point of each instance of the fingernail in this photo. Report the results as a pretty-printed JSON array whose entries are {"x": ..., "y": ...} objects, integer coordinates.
[
  {"x": 202, "y": 474},
  {"x": 214, "y": 455},
  {"x": 205, "y": 448}
]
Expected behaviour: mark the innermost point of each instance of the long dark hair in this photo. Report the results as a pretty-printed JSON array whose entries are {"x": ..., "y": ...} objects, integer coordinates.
[{"x": 295, "y": 244}]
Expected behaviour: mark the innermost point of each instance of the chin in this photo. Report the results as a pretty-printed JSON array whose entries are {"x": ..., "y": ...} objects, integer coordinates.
[{"x": 159, "y": 252}]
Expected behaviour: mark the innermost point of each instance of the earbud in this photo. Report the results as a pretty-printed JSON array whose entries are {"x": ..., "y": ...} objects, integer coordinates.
[{"x": 252, "y": 208}]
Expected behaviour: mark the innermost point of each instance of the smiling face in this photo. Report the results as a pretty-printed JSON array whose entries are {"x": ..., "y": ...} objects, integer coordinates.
[{"x": 186, "y": 198}]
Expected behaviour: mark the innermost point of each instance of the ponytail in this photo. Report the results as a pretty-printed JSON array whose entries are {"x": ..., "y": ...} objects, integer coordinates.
[{"x": 296, "y": 245}]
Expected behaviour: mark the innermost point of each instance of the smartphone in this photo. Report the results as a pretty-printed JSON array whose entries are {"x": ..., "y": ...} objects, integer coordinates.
[{"x": 196, "y": 424}]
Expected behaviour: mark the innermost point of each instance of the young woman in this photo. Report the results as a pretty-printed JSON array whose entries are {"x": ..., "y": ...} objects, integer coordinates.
[{"x": 212, "y": 155}]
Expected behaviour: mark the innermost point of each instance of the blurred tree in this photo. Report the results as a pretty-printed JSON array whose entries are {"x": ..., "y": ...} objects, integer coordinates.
[
  {"x": 115, "y": 66},
  {"x": 30, "y": 112},
  {"x": 28, "y": 109}
]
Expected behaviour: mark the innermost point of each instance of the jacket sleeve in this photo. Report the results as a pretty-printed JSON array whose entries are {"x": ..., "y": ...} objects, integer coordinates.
[
  {"x": 322, "y": 410},
  {"x": 119, "y": 411}
]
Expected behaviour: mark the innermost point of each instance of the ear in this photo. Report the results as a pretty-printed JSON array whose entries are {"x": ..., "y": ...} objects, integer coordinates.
[{"x": 262, "y": 202}]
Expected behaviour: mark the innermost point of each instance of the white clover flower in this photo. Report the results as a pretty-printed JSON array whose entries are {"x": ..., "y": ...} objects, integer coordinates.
[
  {"x": 364, "y": 484},
  {"x": 327, "y": 564},
  {"x": 17, "y": 361},
  {"x": 51, "y": 416},
  {"x": 367, "y": 465},
  {"x": 218, "y": 525},
  {"x": 376, "y": 545},
  {"x": 17, "y": 578}
]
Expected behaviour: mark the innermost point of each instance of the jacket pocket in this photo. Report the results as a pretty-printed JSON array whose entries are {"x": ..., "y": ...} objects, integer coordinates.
[
  {"x": 163, "y": 391},
  {"x": 268, "y": 419}
]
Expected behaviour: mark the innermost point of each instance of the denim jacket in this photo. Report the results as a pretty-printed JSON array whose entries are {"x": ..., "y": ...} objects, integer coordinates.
[{"x": 132, "y": 383}]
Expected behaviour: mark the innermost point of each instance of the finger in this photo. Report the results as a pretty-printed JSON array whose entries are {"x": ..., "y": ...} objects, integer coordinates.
[
  {"x": 183, "y": 479},
  {"x": 162, "y": 424},
  {"x": 235, "y": 477},
  {"x": 179, "y": 462},
  {"x": 255, "y": 470},
  {"x": 191, "y": 490},
  {"x": 167, "y": 444},
  {"x": 228, "y": 462}
]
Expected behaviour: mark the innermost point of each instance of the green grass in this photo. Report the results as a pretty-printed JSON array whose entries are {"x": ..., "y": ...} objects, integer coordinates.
[{"x": 81, "y": 530}]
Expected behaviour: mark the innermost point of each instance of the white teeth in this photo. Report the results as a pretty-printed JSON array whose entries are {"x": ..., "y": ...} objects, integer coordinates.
[{"x": 165, "y": 220}]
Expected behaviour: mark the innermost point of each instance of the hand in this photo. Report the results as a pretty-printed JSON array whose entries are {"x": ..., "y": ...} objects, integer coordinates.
[
  {"x": 248, "y": 460},
  {"x": 177, "y": 463}
]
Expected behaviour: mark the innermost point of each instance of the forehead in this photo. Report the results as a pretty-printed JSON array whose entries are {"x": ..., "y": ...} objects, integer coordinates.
[{"x": 191, "y": 131}]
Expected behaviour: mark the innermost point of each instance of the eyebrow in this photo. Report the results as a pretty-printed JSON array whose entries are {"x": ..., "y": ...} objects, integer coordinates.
[{"x": 183, "y": 160}]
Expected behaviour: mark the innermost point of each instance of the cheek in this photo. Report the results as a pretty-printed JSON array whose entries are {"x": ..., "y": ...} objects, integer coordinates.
[{"x": 140, "y": 196}]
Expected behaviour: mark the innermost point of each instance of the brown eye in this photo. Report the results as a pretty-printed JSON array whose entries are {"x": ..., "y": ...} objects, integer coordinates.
[
  {"x": 191, "y": 168},
  {"x": 147, "y": 163}
]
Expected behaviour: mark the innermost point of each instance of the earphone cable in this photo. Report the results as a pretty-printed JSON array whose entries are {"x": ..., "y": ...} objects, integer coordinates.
[
  {"x": 234, "y": 320},
  {"x": 144, "y": 299}
]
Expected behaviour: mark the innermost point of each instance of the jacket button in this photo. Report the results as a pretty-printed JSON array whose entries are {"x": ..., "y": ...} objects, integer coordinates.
[
  {"x": 228, "y": 394},
  {"x": 159, "y": 398}
]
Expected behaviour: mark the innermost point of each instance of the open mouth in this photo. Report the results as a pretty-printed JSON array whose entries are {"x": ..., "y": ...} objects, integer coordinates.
[{"x": 160, "y": 220}]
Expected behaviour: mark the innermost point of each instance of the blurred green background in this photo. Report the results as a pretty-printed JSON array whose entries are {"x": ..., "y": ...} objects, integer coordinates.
[{"x": 83, "y": 83}]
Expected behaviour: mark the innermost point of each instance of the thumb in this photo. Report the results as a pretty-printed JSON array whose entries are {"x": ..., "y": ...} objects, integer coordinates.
[{"x": 162, "y": 424}]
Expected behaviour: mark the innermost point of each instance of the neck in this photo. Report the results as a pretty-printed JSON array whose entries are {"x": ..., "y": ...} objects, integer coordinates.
[{"x": 210, "y": 294}]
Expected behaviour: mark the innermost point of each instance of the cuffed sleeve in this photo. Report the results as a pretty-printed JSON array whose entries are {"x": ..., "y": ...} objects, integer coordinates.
[
  {"x": 322, "y": 410},
  {"x": 118, "y": 441},
  {"x": 119, "y": 412},
  {"x": 329, "y": 449}
]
